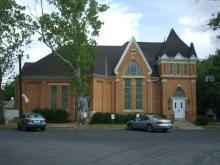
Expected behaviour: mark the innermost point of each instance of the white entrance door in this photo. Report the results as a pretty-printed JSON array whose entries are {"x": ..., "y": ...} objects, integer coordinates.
[{"x": 179, "y": 107}]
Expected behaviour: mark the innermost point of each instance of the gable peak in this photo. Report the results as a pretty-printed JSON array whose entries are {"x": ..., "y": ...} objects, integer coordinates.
[
  {"x": 192, "y": 49},
  {"x": 172, "y": 35}
]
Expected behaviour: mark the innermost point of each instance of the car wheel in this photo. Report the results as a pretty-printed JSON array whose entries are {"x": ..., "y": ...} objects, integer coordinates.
[
  {"x": 18, "y": 127},
  {"x": 130, "y": 127},
  {"x": 150, "y": 128},
  {"x": 42, "y": 129},
  {"x": 25, "y": 128}
]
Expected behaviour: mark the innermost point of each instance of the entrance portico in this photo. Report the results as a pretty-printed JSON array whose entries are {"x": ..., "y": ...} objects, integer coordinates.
[{"x": 178, "y": 100}]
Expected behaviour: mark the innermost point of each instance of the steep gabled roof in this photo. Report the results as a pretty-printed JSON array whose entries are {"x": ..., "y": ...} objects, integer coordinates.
[
  {"x": 192, "y": 50},
  {"x": 109, "y": 56},
  {"x": 174, "y": 45},
  {"x": 50, "y": 65},
  {"x": 107, "y": 59},
  {"x": 133, "y": 41}
]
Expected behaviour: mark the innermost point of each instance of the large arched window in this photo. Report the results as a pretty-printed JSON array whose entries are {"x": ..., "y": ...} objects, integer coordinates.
[
  {"x": 133, "y": 69},
  {"x": 133, "y": 94}
]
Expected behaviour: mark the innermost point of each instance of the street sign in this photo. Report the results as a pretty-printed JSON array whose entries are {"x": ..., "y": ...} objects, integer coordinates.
[{"x": 113, "y": 116}]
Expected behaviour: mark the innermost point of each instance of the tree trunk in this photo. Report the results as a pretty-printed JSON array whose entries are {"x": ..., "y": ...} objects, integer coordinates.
[
  {"x": 77, "y": 107},
  {"x": 78, "y": 97}
]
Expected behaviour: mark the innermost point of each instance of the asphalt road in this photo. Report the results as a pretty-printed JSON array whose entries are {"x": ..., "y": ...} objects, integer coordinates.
[{"x": 109, "y": 147}]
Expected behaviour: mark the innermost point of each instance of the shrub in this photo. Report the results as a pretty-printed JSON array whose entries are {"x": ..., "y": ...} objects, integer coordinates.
[
  {"x": 201, "y": 120},
  {"x": 105, "y": 118},
  {"x": 101, "y": 118},
  {"x": 53, "y": 116}
]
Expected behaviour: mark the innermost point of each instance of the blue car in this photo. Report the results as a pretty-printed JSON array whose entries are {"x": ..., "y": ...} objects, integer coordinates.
[{"x": 31, "y": 121}]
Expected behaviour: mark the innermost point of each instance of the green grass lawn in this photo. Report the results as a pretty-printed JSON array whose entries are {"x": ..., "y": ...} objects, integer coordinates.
[
  {"x": 123, "y": 126},
  {"x": 212, "y": 126}
]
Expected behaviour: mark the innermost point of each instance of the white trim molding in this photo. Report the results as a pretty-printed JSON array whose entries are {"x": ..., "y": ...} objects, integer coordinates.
[
  {"x": 164, "y": 57},
  {"x": 59, "y": 84},
  {"x": 179, "y": 56},
  {"x": 178, "y": 76},
  {"x": 193, "y": 58},
  {"x": 126, "y": 51},
  {"x": 133, "y": 76},
  {"x": 169, "y": 61},
  {"x": 164, "y": 80},
  {"x": 117, "y": 80}
]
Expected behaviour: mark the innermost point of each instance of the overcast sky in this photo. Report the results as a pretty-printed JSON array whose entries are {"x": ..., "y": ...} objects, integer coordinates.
[{"x": 151, "y": 21}]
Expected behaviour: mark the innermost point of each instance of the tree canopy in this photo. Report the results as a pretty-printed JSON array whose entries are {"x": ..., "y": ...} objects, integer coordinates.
[
  {"x": 15, "y": 31},
  {"x": 214, "y": 23},
  {"x": 8, "y": 90},
  {"x": 70, "y": 31},
  {"x": 208, "y": 90}
]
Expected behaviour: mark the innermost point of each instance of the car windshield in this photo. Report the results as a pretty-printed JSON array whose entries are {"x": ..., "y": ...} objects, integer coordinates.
[
  {"x": 158, "y": 117},
  {"x": 32, "y": 115}
]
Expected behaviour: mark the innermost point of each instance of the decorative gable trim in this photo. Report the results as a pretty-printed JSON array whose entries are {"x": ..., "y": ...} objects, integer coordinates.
[
  {"x": 193, "y": 58},
  {"x": 126, "y": 51},
  {"x": 179, "y": 56},
  {"x": 164, "y": 57}
]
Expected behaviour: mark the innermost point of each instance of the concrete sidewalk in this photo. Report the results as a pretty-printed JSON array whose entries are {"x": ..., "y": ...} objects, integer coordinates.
[
  {"x": 63, "y": 125},
  {"x": 49, "y": 125},
  {"x": 176, "y": 125}
]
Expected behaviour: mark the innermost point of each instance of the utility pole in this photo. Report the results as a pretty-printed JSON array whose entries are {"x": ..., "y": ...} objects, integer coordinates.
[{"x": 20, "y": 87}]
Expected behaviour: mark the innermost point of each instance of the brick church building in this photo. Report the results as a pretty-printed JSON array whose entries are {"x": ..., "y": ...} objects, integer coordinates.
[{"x": 136, "y": 77}]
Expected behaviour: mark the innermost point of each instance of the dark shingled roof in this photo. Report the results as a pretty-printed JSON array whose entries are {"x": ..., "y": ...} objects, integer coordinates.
[
  {"x": 108, "y": 57},
  {"x": 192, "y": 50},
  {"x": 174, "y": 45},
  {"x": 50, "y": 65}
]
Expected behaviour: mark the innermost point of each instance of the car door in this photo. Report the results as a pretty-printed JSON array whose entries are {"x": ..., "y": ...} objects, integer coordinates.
[
  {"x": 136, "y": 123},
  {"x": 143, "y": 122}
]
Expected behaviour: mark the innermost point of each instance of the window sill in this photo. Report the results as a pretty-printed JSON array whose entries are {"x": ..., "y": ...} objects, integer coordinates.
[
  {"x": 127, "y": 110},
  {"x": 139, "y": 110}
]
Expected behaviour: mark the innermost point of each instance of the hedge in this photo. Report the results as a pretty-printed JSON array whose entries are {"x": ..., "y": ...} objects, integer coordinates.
[
  {"x": 105, "y": 118},
  {"x": 201, "y": 121},
  {"x": 53, "y": 116}
]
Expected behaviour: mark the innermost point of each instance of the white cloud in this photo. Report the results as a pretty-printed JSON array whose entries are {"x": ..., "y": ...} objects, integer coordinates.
[
  {"x": 184, "y": 20},
  {"x": 37, "y": 51},
  {"x": 195, "y": 28},
  {"x": 202, "y": 41},
  {"x": 120, "y": 25}
]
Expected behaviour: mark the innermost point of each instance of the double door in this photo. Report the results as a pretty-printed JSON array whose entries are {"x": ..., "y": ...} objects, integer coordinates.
[{"x": 179, "y": 107}]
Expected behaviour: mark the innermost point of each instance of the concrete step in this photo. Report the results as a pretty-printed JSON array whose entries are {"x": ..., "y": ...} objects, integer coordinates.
[{"x": 185, "y": 124}]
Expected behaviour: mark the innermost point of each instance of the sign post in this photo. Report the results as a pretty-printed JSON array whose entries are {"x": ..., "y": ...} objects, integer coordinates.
[{"x": 113, "y": 118}]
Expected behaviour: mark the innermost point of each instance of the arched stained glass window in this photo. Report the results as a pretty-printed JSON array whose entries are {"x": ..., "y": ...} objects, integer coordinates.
[{"x": 133, "y": 69}]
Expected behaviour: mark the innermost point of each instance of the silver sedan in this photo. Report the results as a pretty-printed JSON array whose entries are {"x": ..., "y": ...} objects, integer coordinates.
[{"x": 150, "y": 123}]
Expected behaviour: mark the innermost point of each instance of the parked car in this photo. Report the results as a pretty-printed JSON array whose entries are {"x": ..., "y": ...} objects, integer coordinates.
[
  {"x": 150, "y": 123},
  {"x": 31, "y": 121}
]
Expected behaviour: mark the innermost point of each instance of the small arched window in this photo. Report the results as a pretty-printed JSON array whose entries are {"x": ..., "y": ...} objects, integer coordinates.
[
  {"x": 133, "y": 69},
  {"x": 179, "y": 93}
]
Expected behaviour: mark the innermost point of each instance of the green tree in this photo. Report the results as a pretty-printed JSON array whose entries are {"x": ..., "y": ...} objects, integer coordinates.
[
  {"x": 14, "y": 33},
  {"x": 8, "y": 90},
  {"x": 70, "y": 31},
  {"x": 208, "y": 91},
  {"x": 214, "y": 23}
]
